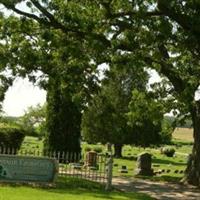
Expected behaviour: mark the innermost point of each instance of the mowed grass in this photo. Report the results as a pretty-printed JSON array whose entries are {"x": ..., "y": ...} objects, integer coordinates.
[
  {"x": 24, "y": 193},
  {"x": 172, "y": 167},
  {"x": 72, "y": 189},
  {"x": 183, "y": 134},
  {"x": 32, "y": 144}
]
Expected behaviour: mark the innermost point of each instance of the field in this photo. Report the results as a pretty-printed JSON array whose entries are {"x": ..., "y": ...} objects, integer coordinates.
[
  {"x": 183, "y": 134},
  {"x": 71, "y": 189}
]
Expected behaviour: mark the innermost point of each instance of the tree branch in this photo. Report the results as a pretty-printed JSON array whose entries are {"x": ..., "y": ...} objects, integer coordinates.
[
  {"x": 29, "y": 15},
  {"x": 167, "y": 70},
  {"x": 133, "y": 13},
  {"x": 177, "y": 15},
  {"x": 43, "y": 10},
  {"x": 50, "y": 21}
]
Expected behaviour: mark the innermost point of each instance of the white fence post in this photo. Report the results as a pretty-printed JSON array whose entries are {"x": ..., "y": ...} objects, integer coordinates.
[{"x": 109, "y": 168}]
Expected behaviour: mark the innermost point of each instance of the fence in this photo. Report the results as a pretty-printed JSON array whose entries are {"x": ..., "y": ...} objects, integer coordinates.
[{"x": 90, "y": 166}]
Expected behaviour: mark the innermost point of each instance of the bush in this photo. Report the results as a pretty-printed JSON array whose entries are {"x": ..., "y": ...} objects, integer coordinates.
[
  {"x": 168, "y": 151},
  {"x": 98, "y": 149},
  {"x": 166, "y": 132},
  {"x": 87, "y": 148},
  {"x": 11, "y": 136}
]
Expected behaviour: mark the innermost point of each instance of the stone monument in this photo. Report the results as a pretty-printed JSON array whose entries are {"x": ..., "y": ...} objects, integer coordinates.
[
  {"x": 144, "y": 165},
  {"x": 91, "y": 159}
]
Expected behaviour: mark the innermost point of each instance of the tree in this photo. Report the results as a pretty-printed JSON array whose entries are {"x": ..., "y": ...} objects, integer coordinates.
[
  {"x": 34, "y": 121},
  {"x": 63, "y": 119},
  {"x": 65, "y": 71},
  {"x": 159, "y": 34},
  {"x": 146, "y": 117},
  {"x": 167, "y": 39},
  {"x": 105, "y": 119}
]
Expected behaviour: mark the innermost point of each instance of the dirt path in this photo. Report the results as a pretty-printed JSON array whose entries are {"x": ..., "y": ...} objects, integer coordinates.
[{"x": 158, "y": 190}]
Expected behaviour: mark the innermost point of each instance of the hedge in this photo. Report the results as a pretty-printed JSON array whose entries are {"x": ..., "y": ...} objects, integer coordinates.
[{"x": 11, "y": 136}]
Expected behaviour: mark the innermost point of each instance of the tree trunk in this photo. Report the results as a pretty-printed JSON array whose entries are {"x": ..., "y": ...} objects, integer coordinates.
[
  {"x": 63, "y": 121},
  {"x": 118, "y": 150},
  {"x": 193, "y": 168}
]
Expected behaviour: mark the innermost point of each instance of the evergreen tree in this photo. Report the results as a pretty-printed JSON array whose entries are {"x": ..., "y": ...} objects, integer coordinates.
[{"x": 105, "y": 120}]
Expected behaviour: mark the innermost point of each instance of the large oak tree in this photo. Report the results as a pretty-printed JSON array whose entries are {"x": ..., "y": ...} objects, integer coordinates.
[{"x": 60, "y": 65}]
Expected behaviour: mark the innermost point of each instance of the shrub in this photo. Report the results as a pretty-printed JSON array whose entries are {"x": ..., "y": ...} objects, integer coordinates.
[
  {"x": 166, "y": 132},
  {"x": 168, "y": 151},
  {"x": 87, "y": 148},
  {"x": 98, "y": 149},
  {"x": 11, "y": 136}
]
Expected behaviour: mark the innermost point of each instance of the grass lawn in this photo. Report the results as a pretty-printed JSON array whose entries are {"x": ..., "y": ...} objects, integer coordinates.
[
  {"x": 169, "y": 165},
  {"x": 182, "y": 139},
  {"x": 32, "y": 144},
  {"x": 71, "y": 190},
  {"x": 172, "y": 167},
  {"x": 183, "y": 134}
]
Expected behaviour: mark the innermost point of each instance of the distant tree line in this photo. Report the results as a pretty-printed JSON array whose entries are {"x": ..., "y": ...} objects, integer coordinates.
[{"x": 187, "y": 123}]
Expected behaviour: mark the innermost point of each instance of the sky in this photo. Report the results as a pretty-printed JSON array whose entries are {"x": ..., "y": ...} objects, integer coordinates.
[{"x": 22, "y": 95}]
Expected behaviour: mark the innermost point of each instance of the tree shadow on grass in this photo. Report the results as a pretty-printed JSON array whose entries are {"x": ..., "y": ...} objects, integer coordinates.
[
  {"x": 129, "y": 158},
  {"x": 80, "y": 188},
  {"x": 92, "y": 189},
  {"x": 162, "y": 161},
  {"x": 101, "y": 194},
  {"x": 162, "y": 178}
]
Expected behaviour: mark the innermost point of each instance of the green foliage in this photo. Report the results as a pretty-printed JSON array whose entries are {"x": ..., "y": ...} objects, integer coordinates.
[
  {"x": 63, "y": 119},
  {"x": 66, "y": 73},
  {"x": 166, "y": 132},
  {"x": 33, "y": 121},
  {"x": 98, "y": 149},
  {"x": 87, "y": 148},
  {"x": 181, "y": 122},
  {"x": 146, "y": 116},
  {"x": 161, "y": 35},
  {"x": 99, "y": 113},
  {"x": 11, "y": 136},
  {"x": 12, "y": 121},
  {"x": 105, "y": 119}
]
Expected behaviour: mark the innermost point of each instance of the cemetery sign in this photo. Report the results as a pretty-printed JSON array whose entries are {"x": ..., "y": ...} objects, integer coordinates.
[{"x": 26, "y": 168}]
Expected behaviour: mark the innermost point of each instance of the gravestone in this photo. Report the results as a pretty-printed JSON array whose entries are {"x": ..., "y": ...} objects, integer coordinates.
[
  {"x": 144, "y": 165},
  {"x": 91, "y": 159},
  {"x": 123, "y": 169}
]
